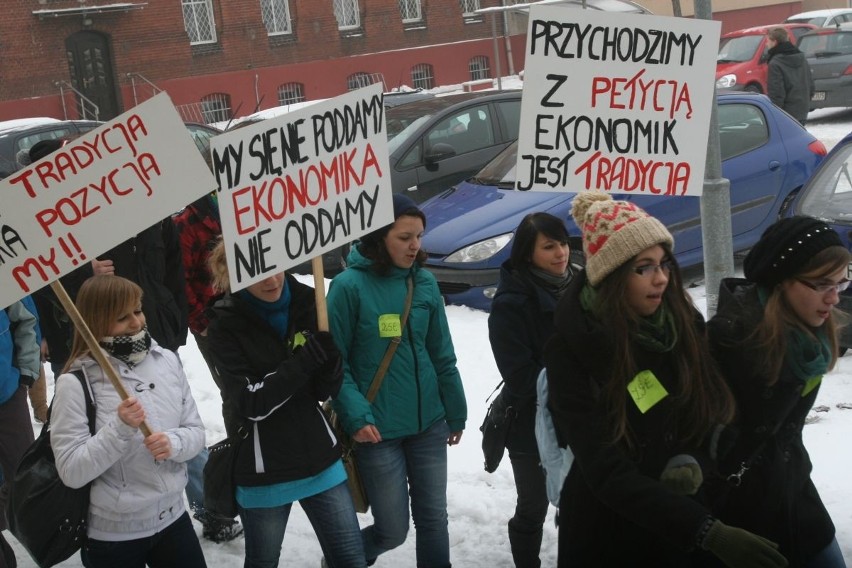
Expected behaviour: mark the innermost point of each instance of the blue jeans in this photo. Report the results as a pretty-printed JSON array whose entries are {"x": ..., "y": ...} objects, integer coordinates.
[
  {"x": 828, "y": 557},
  {"x": 335, "y": 523},
  {"x": 176, "y": 546},
  {"x": 195, "y": 482},
  {"x": 394, "y": 470}
]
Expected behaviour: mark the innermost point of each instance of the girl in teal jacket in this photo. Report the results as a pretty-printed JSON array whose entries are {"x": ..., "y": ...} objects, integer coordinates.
[{"x": 420, "y": 408}]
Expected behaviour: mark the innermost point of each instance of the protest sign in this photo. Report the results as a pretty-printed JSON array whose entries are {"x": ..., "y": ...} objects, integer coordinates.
[
  {"x": 616, "y": 102},
  {"x": 301, "y": 184},
  {"x": 94, "y": 193}
]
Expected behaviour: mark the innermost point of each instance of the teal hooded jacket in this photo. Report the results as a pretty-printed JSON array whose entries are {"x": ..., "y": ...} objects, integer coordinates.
[{"x": 422, "y": 385}]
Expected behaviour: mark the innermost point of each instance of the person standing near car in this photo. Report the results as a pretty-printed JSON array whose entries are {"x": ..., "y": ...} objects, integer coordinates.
[
  {"x": 774, "y": 337},
  {"x": 789, "y": 82},
  {"x": 531, "y": 283}
]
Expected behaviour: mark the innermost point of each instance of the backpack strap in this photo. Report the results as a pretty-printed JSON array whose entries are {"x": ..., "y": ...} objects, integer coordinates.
[{"x": 90, "y": 403}]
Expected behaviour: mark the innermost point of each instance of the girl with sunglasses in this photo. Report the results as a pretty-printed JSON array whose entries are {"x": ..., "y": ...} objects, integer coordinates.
[
  {"x": 634, "y": 394},
  {"x": 775, "y": 336}
]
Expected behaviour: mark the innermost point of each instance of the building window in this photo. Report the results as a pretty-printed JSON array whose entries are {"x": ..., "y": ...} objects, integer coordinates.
[
  {"x": 276, "y": 16},
  {"x": 410, "y": 11},
  {"x": 478, "y": 67},
  {"x": 422, "y": 76},
  {"x": 468, "y": 7},
  {"x": 216, "y": 108},
  {"x": 198, "y": 21},
  {"x": 358, "y": 80},
  {"x": 347, "y": 13},
  {"x": 290, "y": 93}
]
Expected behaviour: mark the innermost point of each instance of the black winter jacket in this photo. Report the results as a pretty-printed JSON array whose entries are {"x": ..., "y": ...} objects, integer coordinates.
[
  {"x": 614, "y": 511},
  {"x": 264, "y": 386},
  {"x": 777, "y": 498},
  {"x": 789, "y": 82},
  {"x": 520, "y": 322}
]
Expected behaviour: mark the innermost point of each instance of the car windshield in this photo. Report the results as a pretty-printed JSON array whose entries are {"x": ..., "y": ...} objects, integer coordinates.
[
  {"x": 500, "y": 171},
  {"x": 737, "y": 49},
  {"x": 826, "y": 45},
  {"x": 817, "y": 21},
  {"x": 829, "y": 193}
]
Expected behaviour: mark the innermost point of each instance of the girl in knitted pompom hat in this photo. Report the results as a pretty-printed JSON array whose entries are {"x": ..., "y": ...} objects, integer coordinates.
[
  {"x": 635, "y": 396},
  {"x": 774, "y": 337}
]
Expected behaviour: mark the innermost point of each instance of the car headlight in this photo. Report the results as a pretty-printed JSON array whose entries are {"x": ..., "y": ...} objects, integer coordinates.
[
  {"x": 726, "y": 81},
  {"x": 482, "y": 250}
]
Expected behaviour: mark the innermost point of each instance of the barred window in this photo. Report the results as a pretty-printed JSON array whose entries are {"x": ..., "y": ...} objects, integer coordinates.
[
  {"x": 198, "y": 21},
  {"x": 290, "y": 93},
  {"x": 478, "y": 67},
  {"x": 410, "y": 11},
  {"x": 347, "y": 13},
  {"x": 468, "y": 7},
  {"x": 358, "y": 80},
  {"x": 422, "y": 76},
  {"x": 216, "y": 107},
  {"x": 276, "y": 16}
]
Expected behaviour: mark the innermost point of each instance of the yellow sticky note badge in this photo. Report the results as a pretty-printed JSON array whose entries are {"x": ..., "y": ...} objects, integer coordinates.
[
  {"x": 389, "y": 325},
  {"x": 646, "y": 391},
  {"x": 811, "y": 384}
]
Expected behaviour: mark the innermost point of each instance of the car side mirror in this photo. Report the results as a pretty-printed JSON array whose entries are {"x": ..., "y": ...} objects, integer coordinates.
[{"x": 438, "y": 152}]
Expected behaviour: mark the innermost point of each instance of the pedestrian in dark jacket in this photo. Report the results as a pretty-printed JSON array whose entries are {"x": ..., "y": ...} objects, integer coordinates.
[
  {"x": 789, "y": 83},
  {"x": 634, "y": 394},
  {"x": 274, "y": 367},
  {"x": 775, "y": 337},
  {"x": 531, "y": 282},
  {"x": 420, "y": 408}
]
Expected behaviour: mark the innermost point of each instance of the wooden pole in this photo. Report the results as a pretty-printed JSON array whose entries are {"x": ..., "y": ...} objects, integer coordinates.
[
  {"x": 319, "y": 293},
  {"x": 94, "y": 348}
]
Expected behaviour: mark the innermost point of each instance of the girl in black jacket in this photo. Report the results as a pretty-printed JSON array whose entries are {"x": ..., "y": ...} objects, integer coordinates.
[
  {"x": 273, "y": 368},
  {"x": 775, "y": 337},
  {"x": 633, "y": 394},
  {"x": 531, "y": 282}
]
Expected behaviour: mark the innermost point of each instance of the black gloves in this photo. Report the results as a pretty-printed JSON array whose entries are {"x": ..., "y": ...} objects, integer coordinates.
[
  {"x": 320, "y": 355},
  {"x": 738, "y": 548}
]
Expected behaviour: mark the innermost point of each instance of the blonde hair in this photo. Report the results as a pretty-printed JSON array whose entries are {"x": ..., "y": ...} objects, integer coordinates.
[
  {"x": 218, "y": 264},
  {"x": 100, "y": 301}
]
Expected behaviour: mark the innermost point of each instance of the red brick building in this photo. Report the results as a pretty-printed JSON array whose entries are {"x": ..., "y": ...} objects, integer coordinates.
[{"x": 224, "y": 58}]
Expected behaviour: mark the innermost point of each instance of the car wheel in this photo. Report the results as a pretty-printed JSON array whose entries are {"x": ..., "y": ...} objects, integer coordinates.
[{"x": 753, "y": 88}]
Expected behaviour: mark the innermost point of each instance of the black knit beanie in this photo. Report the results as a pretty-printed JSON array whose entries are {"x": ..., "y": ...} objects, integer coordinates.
[
  {"x": 785, "y": 247},
  {"x": 401, "y": 204}
]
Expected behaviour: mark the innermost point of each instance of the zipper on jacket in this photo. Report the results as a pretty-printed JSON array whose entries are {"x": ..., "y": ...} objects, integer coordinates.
[{"x": 416, "y": 374}]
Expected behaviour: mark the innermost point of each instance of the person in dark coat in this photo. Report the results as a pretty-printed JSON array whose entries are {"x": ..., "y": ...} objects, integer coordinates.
[
  {"x": 273, "y": 368},
  {"x": 789, "y": 82},
  {"x": 634, "y": 394},
  {"x": 531, "y": 282},
  {"x": 775, "y": 336}
]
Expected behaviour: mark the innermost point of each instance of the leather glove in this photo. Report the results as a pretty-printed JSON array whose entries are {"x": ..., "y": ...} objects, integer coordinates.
[
  {"x": 684, "y": 478},
  {"x": 738, "y": 548}
]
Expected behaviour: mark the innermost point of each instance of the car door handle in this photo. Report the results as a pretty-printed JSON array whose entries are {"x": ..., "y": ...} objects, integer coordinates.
[{"x": 774, "y": 165}]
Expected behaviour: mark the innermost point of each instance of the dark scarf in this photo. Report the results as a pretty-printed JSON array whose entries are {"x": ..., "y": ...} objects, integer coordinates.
[
  {"x": 553, "y": 285},
  {"x": 130, "y": 349},
  {"x": 276, "y": 314},
  {"x": 783, "y": 47}
]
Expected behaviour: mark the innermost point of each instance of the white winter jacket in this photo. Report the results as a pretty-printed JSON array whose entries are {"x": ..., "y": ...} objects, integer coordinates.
[{"x": 132, "y": 496}]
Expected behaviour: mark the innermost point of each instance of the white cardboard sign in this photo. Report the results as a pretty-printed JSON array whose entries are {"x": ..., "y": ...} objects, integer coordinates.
[
  {"x": 616, "y": 102},
  {"x": 94, "y": 193},
  {"x": 297, "y": 185}
]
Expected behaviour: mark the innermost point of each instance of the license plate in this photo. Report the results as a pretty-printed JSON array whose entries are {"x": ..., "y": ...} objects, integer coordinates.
[{"x": 818, "y": 96}]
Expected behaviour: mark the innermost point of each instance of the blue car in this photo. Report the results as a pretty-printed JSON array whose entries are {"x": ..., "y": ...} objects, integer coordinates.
[
  {"x": 766, "y": 155},
  {"x": 828, "y": 196}
]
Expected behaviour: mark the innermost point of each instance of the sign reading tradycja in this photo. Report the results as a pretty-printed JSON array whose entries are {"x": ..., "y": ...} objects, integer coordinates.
[
  {"x": 94, "y": 193},
  {"x": 616, "y": 102},
  {"x": 301, "y": 184}
]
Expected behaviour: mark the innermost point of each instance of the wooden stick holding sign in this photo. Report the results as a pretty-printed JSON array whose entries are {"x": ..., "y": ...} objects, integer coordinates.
[
  {"x": 93, "y": 345},
  {"x": 319, "y": 293}
]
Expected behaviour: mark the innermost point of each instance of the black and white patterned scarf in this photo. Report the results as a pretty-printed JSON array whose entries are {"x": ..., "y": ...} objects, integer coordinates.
[{"x": 131, "y": 349}]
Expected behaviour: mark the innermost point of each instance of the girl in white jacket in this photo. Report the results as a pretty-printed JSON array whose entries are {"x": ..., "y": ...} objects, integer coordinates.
[{"x": 136, "y": 513}]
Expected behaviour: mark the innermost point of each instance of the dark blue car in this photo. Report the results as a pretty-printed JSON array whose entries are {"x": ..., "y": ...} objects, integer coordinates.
[{"x": 766, "y": 155}]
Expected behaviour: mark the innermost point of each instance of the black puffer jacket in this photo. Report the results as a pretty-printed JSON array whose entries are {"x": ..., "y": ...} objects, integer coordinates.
[
  {"x": 520, "y": 322},
  {"x": 777, "y": 498},
  {"x": 264, "y": 386}
]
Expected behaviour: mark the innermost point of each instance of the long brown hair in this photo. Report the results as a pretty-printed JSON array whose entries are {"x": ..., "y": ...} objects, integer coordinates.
[
  {"x": 770, "y": 335},
  {"x": 702, "y": 398},
  {"x": 100, "y": 301},
  {"x": 375, "y": 249}
]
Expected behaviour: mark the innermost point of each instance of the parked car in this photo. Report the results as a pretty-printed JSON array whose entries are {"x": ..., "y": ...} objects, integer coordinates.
[
  {"x": 828, "y": 195},
  {"x": 201, "y": 134},
  {"x": 822, "y": 18},
  {"x": 21, "y": 134},
  {"x": 766, "y": 155},
  {"x": 829, "y": 53},
  {"x": 741, "y": 64},
  {"x": 437, "y": 142}
]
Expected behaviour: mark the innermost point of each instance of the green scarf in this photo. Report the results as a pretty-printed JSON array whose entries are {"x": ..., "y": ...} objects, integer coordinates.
[{"x": 656, "y": 332}]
